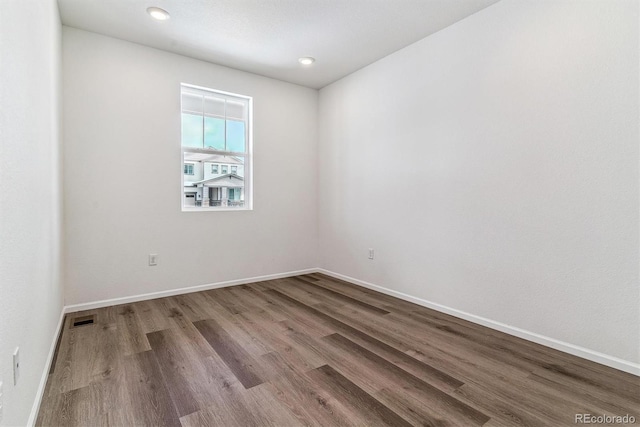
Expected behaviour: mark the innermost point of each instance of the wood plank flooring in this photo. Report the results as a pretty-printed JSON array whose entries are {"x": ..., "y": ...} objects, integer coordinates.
[{"x": 315, "y": 351}]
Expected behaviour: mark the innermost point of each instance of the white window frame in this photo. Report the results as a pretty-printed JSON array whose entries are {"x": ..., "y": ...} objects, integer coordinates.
[
  {"x": 247, "y": 155},
  {"x": 193, "y": 169}
]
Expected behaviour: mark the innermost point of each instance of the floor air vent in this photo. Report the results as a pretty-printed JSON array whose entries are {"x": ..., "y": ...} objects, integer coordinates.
[{"x": 83, "y": 321}]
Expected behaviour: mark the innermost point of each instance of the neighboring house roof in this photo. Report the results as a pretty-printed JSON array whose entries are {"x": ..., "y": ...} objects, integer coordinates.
[
  {"x": 227, "y": 180},
  {"x": 212, "y": 158}
]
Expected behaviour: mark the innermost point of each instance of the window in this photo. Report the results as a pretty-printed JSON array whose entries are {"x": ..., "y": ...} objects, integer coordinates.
[
  {"x": 216, "y": 129},
  {"x": 234, "y": 194}
]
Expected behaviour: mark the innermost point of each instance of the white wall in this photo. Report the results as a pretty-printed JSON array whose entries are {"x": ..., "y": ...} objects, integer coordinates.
[
  {"x": 30, "y": 196},
  {"x": 493, "y": 166},
  {"x": 123, "y": 169}
]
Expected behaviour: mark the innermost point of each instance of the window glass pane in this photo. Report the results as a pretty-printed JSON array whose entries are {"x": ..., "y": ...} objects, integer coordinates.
[
  {"x": 235, "y": 136},
  {"x": 214, "y": 133},
  {"x": 191, "y": 130}
]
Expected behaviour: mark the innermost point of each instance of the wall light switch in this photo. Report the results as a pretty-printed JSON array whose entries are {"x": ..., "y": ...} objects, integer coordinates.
[
  {"x": 16, "y": 365},
  {"x": 153, "y": 259}
]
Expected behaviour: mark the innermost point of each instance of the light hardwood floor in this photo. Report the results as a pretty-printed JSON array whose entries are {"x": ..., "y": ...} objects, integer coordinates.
[{"x": 313, "y": 350}]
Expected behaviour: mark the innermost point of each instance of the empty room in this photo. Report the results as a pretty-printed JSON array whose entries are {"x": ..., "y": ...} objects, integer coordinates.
[{"x": 319, "y": 213}]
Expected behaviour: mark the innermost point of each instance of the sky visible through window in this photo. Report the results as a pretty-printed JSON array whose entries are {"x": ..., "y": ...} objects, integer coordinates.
[{"x": 214, "y": 135}]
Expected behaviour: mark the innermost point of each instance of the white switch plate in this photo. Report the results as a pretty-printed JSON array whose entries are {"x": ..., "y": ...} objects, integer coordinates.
[
  {"x": 153, "y": 259},
  {"x": 16, "y": 366},
  {"x": 370, "y": 253}
]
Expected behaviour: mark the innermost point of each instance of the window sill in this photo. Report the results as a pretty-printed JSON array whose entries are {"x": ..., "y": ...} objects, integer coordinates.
[{"x": 216, "y": 209}]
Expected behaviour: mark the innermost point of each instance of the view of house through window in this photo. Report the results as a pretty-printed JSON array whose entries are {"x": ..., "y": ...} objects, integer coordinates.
[{"x": 215, "y": 149}]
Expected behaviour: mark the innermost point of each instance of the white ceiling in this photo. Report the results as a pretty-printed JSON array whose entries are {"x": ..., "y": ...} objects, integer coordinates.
[{"x": 267, "y": 37}]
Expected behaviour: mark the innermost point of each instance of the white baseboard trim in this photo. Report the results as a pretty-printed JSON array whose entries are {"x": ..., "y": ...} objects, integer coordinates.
[
  {"x": 161, "y": 294},
  {"x": 45, "y": 373},
  {"x": 585, "y": 353}
]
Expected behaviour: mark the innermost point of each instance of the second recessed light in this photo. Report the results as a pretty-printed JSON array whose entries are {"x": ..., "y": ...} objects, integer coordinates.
[
  {"x": 306, "y": 60},
  {"x": 157, "y": 13}
]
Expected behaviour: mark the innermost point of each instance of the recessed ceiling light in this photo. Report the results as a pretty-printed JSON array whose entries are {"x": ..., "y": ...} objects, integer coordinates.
[
  {"x": 157, "y": 13},
  {"x": 306, "y": 60}
]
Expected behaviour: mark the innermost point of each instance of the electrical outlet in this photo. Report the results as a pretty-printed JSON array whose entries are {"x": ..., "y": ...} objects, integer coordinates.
[
  {"x": 370, "y": 253},
  {"x": 16, "y": 366},
  {"x": 153, "y": 259}
]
